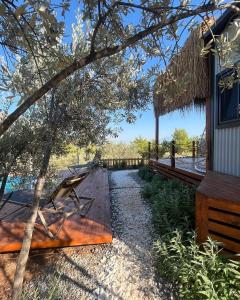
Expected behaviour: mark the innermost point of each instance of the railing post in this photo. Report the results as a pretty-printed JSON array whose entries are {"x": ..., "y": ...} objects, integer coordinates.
[
  {"x": 173, "y": 151},
  {"x": 197, "y": 148},
  {"x": 149, "y": 150},
  {"x": 193, "y": 149},
  {"x": 156, "y": 149}
]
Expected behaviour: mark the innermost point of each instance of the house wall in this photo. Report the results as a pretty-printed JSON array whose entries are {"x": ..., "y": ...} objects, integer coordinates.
[
  {"x": 226, "y": 141},
  {"x": 226, "y": 157}
]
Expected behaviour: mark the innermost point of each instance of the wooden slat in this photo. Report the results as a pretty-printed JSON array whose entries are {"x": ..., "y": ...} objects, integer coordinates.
[
  {"x": 225, "y": 230},
  {"x": 227, "y": 244},
  {"x": 224, "y": 217},
  {"x": 221, "y": 194},
  {"x": 177, "y": 170},
  {"x": 190, "y": 178},
  {"x": 229, "y": 205}
]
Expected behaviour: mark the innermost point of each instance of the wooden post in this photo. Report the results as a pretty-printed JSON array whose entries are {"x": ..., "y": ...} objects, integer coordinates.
[
  {"x": 149, "y": 150},
  {"x": 197, "y": 148},
  {"x": 157, "y": 137},
  {"x": 173, "y": 151},
  {"x": 201, "y": 217},
  {"x": 193, "y": 149}
]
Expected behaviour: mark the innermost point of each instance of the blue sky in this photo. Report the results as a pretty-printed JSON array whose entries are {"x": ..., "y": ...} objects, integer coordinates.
[{"x": 192, "y": 121}]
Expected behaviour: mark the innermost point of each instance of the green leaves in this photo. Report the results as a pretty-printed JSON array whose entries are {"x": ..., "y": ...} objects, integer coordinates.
[
  {"x": 172, "y": 204},
  {"x": 198, "y": 273}
]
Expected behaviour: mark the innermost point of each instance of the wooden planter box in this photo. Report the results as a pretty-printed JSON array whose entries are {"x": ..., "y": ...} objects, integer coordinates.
[{"x": 218, "y": 210}]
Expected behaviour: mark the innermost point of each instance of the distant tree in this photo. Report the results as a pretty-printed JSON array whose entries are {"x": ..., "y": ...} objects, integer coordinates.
[
  {"x": 182, "y": 140},
  {"x": 141, "y": 145},
  {"x": 164, "y": 148},
  {"x": 118, "y": 150}
]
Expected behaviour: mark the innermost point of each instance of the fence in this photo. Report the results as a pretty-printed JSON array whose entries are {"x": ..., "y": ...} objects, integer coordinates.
[
  {"x": 196, "y": 150},
  {"x": 124, "y": 163}
]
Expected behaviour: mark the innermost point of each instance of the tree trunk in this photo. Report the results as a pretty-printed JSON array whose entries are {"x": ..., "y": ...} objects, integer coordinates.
[
  {"x": 23, "y": 256},
  {"x": 24, "y": 253},
  {"x": 3, "y": 185}
]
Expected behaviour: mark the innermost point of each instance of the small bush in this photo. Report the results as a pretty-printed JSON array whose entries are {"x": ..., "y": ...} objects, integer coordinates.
[
  {"x": 197, "y": 273},
  {"x": 172, "y": 205},
  {"x": 145, "y": 173}
]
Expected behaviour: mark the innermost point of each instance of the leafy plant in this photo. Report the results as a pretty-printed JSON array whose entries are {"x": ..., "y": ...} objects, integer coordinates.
[
  {"x": 198, "y": 273},
  {"x": 145, "y": 173},
  {"x": 172, "y": 205}
]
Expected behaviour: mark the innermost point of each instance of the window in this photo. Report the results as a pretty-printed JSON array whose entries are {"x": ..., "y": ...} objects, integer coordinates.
[{"x": 228, "y": 101}]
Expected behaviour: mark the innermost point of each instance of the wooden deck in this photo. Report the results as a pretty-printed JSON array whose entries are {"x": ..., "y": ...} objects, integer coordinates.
[
  {"x": 218, "y": 210},
  {"x": 95, "y": 228},
  {"x": 182, "y": 171},
  {"x": 196, "y": 165}
]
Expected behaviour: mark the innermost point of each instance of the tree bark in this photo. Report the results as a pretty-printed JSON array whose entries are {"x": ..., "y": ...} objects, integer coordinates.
[
  {"x": 24, "y": 253},
  {"x": 96, "y": 55},
  {"x": 3, "y": 185},
  {"x": 23, "y": 256}
]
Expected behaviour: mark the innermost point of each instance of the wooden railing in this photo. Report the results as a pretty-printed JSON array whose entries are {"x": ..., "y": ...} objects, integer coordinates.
[
  {"x": 123, "y": 163},
  {"x": 191, "y": 149}
]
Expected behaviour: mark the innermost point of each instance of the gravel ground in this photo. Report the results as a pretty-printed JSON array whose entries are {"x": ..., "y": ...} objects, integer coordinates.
[{"x": 123, "y": 270}]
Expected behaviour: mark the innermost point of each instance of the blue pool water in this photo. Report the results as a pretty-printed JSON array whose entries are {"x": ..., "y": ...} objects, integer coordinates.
[{"x": 14, "y": 183}]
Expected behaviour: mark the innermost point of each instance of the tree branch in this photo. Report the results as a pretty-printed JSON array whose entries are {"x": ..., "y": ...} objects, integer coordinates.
[{"x": 93, "y": 56}]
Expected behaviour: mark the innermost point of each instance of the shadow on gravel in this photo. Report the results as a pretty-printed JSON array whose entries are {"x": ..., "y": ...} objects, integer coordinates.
[{"x": 86, "y": 274}]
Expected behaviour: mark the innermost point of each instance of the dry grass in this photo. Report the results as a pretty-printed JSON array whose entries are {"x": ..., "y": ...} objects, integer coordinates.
[{"x": 186, "y": 80}]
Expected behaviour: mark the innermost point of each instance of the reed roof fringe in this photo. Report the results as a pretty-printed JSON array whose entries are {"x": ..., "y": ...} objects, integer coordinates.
[{"x": 186, "y": 80}]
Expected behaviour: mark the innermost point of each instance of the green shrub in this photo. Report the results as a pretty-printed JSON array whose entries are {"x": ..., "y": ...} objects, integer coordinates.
[
  {"x": 145, "y": 173},
  {"x": 172, "y": 205},
  {"x": 197, "y": 273},
  {"x": 152, "y": 188}
]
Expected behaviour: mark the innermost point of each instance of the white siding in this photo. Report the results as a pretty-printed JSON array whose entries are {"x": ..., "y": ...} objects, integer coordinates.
[{"x": 227, "y": 151}]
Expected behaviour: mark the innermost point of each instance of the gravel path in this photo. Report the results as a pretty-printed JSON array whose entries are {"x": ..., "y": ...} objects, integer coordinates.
[{"x": 123, "y": 270}]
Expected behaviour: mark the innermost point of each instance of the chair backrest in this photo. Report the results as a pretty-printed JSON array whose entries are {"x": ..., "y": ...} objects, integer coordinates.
[{"x": 65, "y": 188}]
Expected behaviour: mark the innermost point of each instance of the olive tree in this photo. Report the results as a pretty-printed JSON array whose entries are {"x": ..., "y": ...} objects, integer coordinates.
[{"x": 115, "y": 27}]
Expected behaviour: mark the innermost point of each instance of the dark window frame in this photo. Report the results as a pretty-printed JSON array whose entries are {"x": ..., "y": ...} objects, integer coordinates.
[{"x": 229, "y": 123}]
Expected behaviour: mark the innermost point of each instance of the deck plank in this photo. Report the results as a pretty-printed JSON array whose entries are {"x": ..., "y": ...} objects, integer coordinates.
[{"x": 93, "y": 229}]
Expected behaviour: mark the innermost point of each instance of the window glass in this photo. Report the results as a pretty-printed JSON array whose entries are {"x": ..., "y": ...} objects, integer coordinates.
[
  {"x": 228, "y": 101},
  {"x": 229, "y": 104}
]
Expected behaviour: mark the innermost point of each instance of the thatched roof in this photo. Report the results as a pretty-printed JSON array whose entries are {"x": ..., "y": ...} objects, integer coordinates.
[{"x": 186, "y": 79}]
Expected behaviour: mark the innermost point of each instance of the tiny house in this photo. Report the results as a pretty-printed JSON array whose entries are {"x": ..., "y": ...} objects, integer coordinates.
[
  {"x": 223, "y": 105},
  {"x": 211, "y": 81}
]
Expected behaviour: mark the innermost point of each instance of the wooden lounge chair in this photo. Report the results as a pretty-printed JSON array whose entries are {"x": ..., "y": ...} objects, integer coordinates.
[{"x": 55, "y": 208}]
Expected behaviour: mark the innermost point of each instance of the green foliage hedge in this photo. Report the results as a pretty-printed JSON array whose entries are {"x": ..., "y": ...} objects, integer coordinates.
[
  {"x": 172, "y": 204},
  {"x": 145, "y": 173},
  {"x": 197, "y": 272}
]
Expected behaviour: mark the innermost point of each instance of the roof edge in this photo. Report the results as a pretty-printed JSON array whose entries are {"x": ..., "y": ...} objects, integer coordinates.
[{"x": 221, "y": 22}]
